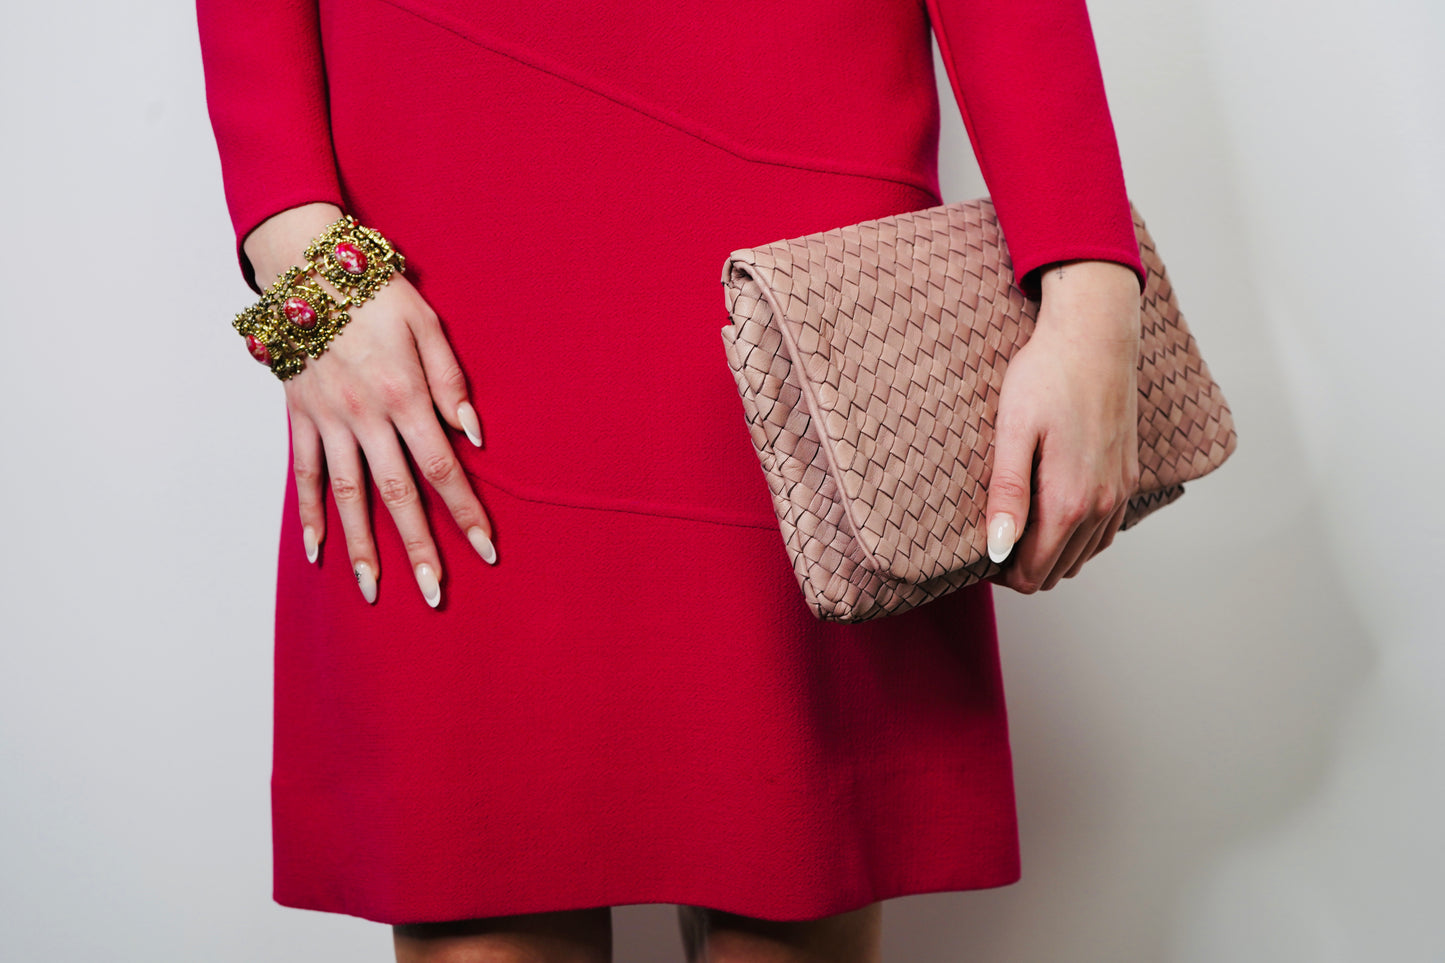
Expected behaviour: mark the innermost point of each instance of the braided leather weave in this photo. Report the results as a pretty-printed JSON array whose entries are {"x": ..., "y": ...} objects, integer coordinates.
[{"x": 869, "y": 360}]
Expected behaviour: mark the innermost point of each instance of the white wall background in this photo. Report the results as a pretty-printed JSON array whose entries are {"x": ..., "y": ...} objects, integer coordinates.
[{"x": 1228, "y": 730}]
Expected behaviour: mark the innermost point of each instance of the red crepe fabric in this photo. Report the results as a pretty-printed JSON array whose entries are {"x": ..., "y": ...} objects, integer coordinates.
[{"x": 634, "y": 704}]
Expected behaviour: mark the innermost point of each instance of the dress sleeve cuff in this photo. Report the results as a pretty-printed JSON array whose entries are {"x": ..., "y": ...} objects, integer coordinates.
[
  {"x": 1029, "y": 268},
  {"x": 250, "y": 217}
]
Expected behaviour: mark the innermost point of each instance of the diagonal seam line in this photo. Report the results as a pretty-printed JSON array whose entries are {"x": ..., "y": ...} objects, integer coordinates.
[{"x": 660, "y": 114}]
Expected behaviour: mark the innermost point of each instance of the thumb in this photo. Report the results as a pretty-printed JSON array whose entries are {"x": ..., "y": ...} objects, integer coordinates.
[{"x": 1009, "y": 486}]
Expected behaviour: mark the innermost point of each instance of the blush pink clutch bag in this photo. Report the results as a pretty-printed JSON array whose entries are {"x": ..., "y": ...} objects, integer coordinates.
[{"x": 869, "y": 359}]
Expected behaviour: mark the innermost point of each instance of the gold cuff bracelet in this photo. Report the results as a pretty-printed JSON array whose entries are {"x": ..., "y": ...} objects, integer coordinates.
[{"x": 296, "y": 316}]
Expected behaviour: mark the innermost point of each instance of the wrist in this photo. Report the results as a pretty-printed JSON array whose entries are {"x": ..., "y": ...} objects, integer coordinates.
[
  {"x": 1092, "y": 298},
  {"x": 307, "y": 302},
  {"x": 1063, "y": 277},
  {"x": 279, "y": 241}
]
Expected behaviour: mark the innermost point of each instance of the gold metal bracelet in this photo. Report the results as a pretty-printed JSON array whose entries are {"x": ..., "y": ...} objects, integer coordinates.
[{"x": 296, "y": 316}]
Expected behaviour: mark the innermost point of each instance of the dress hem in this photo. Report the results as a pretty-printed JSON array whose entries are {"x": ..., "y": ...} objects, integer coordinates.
[{"x": 805, "y": 911}]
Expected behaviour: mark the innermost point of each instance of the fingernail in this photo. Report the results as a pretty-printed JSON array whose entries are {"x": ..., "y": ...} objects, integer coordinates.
[
  {"x": 467, "y": 415},
  {"x": 430, "y": 589},
  {"x": 308, "y": 535},
  {"x": 482, "y": 544},
  {"x": 1001, "y": 535},
  {"x": 367, "y": 582}
]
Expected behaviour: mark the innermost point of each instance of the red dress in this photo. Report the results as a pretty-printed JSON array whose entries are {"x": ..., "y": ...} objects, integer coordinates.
[{"x": 634, "y": 705}]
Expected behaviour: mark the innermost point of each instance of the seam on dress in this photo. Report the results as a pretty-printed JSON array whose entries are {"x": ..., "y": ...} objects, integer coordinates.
[
  {"x": 516, "y": 493},
  {"x": 657, "y": 113}
]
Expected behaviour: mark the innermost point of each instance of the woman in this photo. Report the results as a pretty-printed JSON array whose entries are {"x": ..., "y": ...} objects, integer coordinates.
[{"x": 602, "y": 685}]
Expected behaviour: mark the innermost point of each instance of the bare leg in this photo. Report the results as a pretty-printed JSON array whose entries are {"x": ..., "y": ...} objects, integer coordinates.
[
  {"x": 566, "y": 936},
  {"x": 713, "y": 936}
]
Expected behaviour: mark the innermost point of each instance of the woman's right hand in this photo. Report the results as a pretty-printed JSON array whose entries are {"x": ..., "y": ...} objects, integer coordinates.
[{"x": 378, "y": 378}]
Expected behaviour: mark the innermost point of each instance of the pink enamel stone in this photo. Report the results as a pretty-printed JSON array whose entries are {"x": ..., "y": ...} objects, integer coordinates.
[
  {"x": 258, "y": 349},
  {"x": 299, "y": 311},
  {"x": 351, "y": 258}
]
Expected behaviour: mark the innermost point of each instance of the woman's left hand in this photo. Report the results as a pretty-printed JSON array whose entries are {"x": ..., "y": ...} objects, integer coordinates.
[{"x": 1066, "y": 449}]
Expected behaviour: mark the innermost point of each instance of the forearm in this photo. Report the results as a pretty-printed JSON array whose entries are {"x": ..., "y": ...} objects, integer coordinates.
[
  {"x": 1027, "y": 79},
  {"x": 266, "y": 94}
]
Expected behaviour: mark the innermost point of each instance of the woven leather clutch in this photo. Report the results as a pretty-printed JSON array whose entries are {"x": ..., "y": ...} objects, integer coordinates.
[{"x": 869, "y": 360}]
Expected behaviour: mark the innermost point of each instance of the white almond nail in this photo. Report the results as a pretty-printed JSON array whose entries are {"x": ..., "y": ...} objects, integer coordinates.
[
  {"x": 366, "y": 580},
  {"x": 1001, "y": 535},
  {"x": 431, "y": 590},
  {"x": 308, "y": 536},
  {"x": 467, "y": 415},
  {"x": 482, "y": 544}
]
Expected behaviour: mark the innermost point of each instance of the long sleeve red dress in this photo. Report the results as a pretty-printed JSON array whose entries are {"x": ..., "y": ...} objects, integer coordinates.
[{"x": 634, "y": 704}]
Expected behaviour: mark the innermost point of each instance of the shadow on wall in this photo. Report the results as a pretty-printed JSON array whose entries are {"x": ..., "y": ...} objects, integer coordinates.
[
  {"x": 1183, "y": 695},
  {"x": 1164, "y": 712}
]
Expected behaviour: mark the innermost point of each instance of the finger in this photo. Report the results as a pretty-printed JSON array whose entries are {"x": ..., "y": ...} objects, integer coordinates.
[
  {"x": 307, "y": 466},
  {"x": 1085, "y": 535},
  {"x": 343, "y": 464},
  {"x": 392, "y": 477},
  {"x": 1009, "y": 484},
  {"x": 1090, "y": 548},
  {"x": 1098, "y": 510},
  {"x": 1056, "y": 521},
  {"x": 444, "y": 376},
  {"x": 1131, "y": 486},
  {"x": 432, "y": 451},
  {"x": 1116, "y": 524}
]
